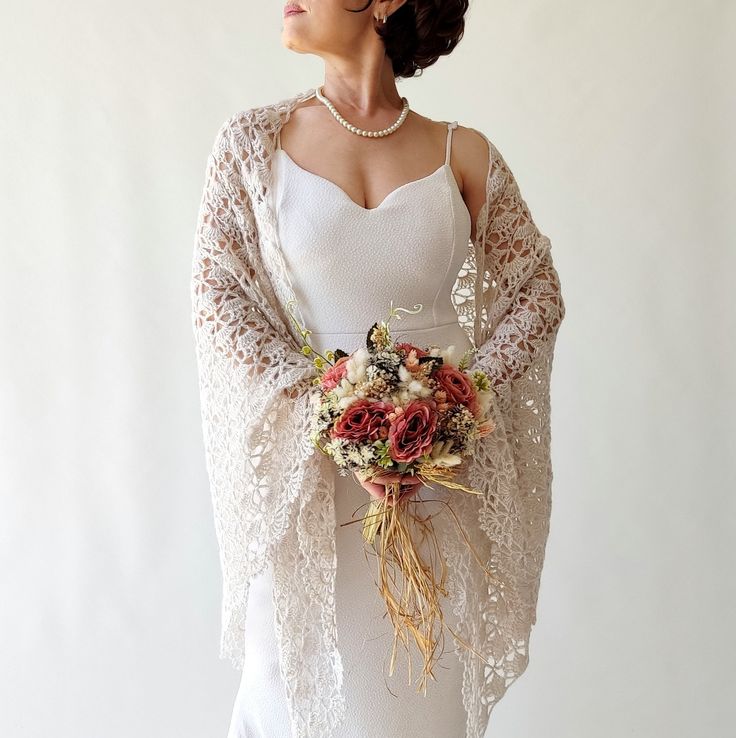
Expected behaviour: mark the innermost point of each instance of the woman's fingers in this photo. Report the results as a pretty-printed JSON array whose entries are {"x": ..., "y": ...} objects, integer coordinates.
[
  {"x": 386, "y": 477},
  {"x": 377, "y": 490},
  {"x": 410, "y": 484}
]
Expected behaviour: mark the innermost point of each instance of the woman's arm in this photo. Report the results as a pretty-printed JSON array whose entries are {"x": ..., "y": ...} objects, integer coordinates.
[
  {"x": 228, "y": 314},
  {"x": 256, "y": 442},
  {"x": 518, "y": 258},
  {"x": 531, "y": 321}
]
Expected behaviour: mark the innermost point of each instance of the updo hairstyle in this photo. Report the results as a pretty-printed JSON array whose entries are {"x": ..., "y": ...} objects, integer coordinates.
[{"x": 420, "y": 32}]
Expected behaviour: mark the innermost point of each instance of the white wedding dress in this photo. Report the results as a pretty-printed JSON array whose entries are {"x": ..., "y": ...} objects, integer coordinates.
[{"x": 347, "y": 263}]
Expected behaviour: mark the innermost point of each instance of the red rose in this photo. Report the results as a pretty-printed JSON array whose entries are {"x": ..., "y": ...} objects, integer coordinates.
[
  {"x": 363, "y": 420},
  {"x": 412, "y": 433},
  {"x": 457, "y": 386},
  {"x": 333, "y": 376},
  {"x": 409, "y": 346}
]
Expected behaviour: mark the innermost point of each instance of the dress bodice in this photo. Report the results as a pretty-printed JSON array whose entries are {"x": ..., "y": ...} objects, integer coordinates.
[{"x": 347, "y": 263}]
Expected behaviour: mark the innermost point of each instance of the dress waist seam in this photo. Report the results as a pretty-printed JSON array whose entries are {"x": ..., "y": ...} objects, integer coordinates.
[{"x": 394, "y": 329}]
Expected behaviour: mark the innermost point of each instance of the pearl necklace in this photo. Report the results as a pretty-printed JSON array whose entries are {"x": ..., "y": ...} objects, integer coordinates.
[{"x": 361, "y": 131}]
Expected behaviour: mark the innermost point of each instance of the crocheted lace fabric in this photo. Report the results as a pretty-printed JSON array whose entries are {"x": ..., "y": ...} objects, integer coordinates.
[{"x": 271, "y": 493}]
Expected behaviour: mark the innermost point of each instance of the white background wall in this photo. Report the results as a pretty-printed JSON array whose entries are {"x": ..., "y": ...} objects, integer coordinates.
[{"x": 617, "y": 119}]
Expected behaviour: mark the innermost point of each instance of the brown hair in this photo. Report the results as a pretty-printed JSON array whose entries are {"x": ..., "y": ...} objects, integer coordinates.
[{"x": 421, "y": 31}]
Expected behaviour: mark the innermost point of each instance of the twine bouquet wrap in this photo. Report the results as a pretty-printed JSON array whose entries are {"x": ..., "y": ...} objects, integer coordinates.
[{"x": 409, "y": 415}]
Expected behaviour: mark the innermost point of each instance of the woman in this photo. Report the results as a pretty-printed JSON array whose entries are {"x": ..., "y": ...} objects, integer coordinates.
[{"x": 300, "y": 203}]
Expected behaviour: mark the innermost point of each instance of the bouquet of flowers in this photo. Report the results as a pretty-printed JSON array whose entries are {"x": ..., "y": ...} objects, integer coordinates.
[{"x": 402, "y": 413}]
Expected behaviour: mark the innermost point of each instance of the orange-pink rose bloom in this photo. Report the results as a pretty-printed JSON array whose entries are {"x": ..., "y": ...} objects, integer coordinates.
[
  {"x": 362, "y": 420},
  {"x": 412, "y": 433},
  {"x": 333, "y": 376},
  {"x": 457, "y": 386}
]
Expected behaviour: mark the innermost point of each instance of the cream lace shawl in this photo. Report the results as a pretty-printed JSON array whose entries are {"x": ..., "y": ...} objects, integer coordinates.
[{"x": 271, "y": 491}]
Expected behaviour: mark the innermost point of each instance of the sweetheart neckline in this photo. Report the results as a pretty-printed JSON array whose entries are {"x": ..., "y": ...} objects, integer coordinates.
[{"x": 344, "y": 194}]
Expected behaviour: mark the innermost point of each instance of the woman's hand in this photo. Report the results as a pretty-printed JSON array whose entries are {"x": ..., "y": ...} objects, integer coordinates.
[{"x": 410, "y": 484}]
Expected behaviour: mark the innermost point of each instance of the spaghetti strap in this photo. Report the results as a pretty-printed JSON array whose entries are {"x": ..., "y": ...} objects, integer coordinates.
[{"x": 450, "y": 127}]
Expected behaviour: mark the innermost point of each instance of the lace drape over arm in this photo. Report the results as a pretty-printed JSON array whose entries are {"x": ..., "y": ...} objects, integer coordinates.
[
  {"x": 518, "y": 308},
  {"x": 251, "y": 426},
  {"x": 529, "y": 308}
]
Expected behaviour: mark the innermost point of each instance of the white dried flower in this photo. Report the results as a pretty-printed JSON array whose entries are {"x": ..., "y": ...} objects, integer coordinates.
[
  {"x": 449, "y": 355},
  {"x": 355, "y": 456},
  {"x": 418, "y": 388},
  {"x": 367, "y": 453},
  {"x": 343, "y": 389},
  {"x": 484, "y": 400},
  {"x": 357, "y": 363},
  {"x": 404, "y": 374},
  {"x": 356, "y": 372},
  {"x": 347, "y": 401},
  {"x": 441, "y": 455}
]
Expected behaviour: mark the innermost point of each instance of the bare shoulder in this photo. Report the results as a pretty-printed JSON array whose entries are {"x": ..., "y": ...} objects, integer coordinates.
[
  {"x": 306, "y": 108},
  {"x": 472, "y": 153},
  {"x": 471, "y": 158}
]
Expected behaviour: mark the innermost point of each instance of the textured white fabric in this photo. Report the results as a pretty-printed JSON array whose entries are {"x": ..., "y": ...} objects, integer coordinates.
[
  {"x": 346, "y": 260},
  {"x": 328, "y": 241},
  {"x": 273, "y": 494}
]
